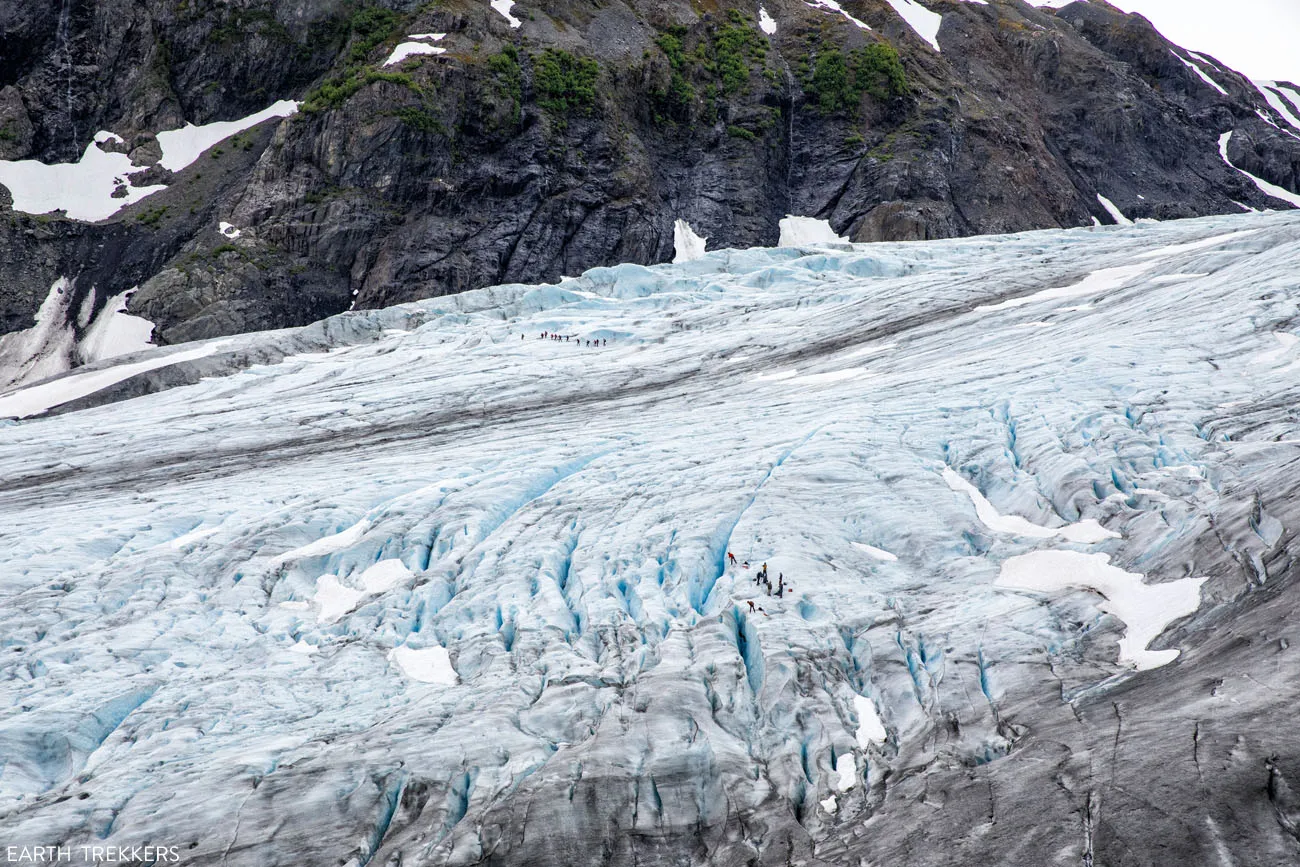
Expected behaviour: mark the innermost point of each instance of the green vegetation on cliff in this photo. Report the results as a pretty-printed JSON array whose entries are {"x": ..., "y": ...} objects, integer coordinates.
[
  {"x": 564, "y": 83},
  {"x": 839, "y": 80}
]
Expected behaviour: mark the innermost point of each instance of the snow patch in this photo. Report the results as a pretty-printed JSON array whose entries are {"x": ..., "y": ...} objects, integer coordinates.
[
  {"x": 799, "y": 231},
  {"x": 1193, "y": 246},
  {"x": 47, "y": 395},
  {"x": 832, "y": 6},
  {"x": 1115, "y": 213},
  {"x": 765, "y": 22},
  {"x": 1146, "y": 609},
  {"x": 228, "y": 230},
  {"x": 1096, "y": 282},
  {"x": 334, "y": 598},
  {"x": 84, "y": 190},
  {"x": 1085, "y": 532},
  {"x": 1267, "y": 188},
  {"x": 193, "y": 536},
  {"x": 430, "y": 665},
  {"x": 846, "y": 772},
  {"x": 687, "y": 246},
  {"x": 181, "y": 147},
  {"x": 870, "y": 729},
  {"x": 326, "y": 544},
  {"x": 1194, "y": 68},
  {"x": 1273, "y": 95},
  {"x": 504, "y": 6},
  {"x": 873, "y": 551},
  {"x": 924, "y": 22},
  {"x": 115, "y": 332},
  {"x": 419, "y": 45},
  {"x": 44, "y": 349}
]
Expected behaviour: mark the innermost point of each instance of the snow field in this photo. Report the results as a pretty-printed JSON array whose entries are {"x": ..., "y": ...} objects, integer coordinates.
[{"x": 85, "y": 190}]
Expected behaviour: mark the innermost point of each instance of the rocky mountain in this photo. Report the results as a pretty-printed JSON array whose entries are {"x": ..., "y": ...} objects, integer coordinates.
[{"x": 444, "y": 146}]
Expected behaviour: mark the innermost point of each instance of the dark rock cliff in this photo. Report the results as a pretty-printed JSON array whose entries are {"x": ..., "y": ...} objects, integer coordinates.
[{"x": 576, "y": 139}]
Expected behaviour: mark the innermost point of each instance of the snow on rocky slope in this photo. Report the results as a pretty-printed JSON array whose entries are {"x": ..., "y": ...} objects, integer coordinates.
[{"x": 428, "y": 588}]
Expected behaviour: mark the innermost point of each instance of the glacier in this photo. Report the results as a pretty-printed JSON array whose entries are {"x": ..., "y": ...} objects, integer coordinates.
[{"x": 419, "y": 586}]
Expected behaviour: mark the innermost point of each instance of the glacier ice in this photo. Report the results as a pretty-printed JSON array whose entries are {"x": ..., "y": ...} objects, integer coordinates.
[{"x": 418, "y": 586}]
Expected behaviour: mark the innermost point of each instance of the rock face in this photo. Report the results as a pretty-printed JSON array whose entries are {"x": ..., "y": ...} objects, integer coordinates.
[
  {"x": 578, "y": 137},
  {"x": 443, "y": 595}
]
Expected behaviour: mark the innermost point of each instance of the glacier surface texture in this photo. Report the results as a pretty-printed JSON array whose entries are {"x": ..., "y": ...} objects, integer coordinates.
[{"x": 419, "y": 586}]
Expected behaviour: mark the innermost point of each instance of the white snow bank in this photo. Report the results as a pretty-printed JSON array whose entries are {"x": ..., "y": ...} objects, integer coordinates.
[
  {"x": 326, "y": 544},
  {"x": 43, "y": 350},
  {"x": 384, "y": 575},
  {"x": 1268, "y": 189},
  {"x": 1273, "y": 95},
  {"x": 334, "y": 598},
  {"x": 115, "y": 332},
  {"x": 1290, "y": 95},
  {"x": 873, "y": 551},
  {"x": 181, "y": 147},
  {"x": 228, "y": 230},
  {"x": 303, "y": 648},
  {"x": 1146, "y": 609},
  {"x": 504, "y": 7},
  {"x": 687, "y": 246},
  {"x": 1098, "y": 281},
  {"x": 846, "y": 772},
  {"x": 920, "y": 19},
  {"x": 766, "y": 22},
  {"x": 1194, "y": 68},
  {"x": 1114, "y": 211},
  {"x": 798, "y": 231},
  {"x": 870, "y": 729},
  {"x": 199, "y": 532},
  {"x": 418, "y": 45},
  {"x": 832, "y": 6},
  {"x": 430, "y": 665},
  {"x": 1086, "y": 532},
  {"x": 38, "y": 398},
  {"x": 83, "y": 190},
  {"x": 1193, "y": 246}
]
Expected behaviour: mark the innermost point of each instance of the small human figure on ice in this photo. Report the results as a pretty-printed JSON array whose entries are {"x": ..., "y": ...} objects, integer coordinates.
[{"x": 732, "y": 558}]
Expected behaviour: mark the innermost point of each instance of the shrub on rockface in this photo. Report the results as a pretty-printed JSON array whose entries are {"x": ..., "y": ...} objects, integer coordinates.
[
  {"x": 838, "y": 80},
  {"x": 564, "y": 83}
]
